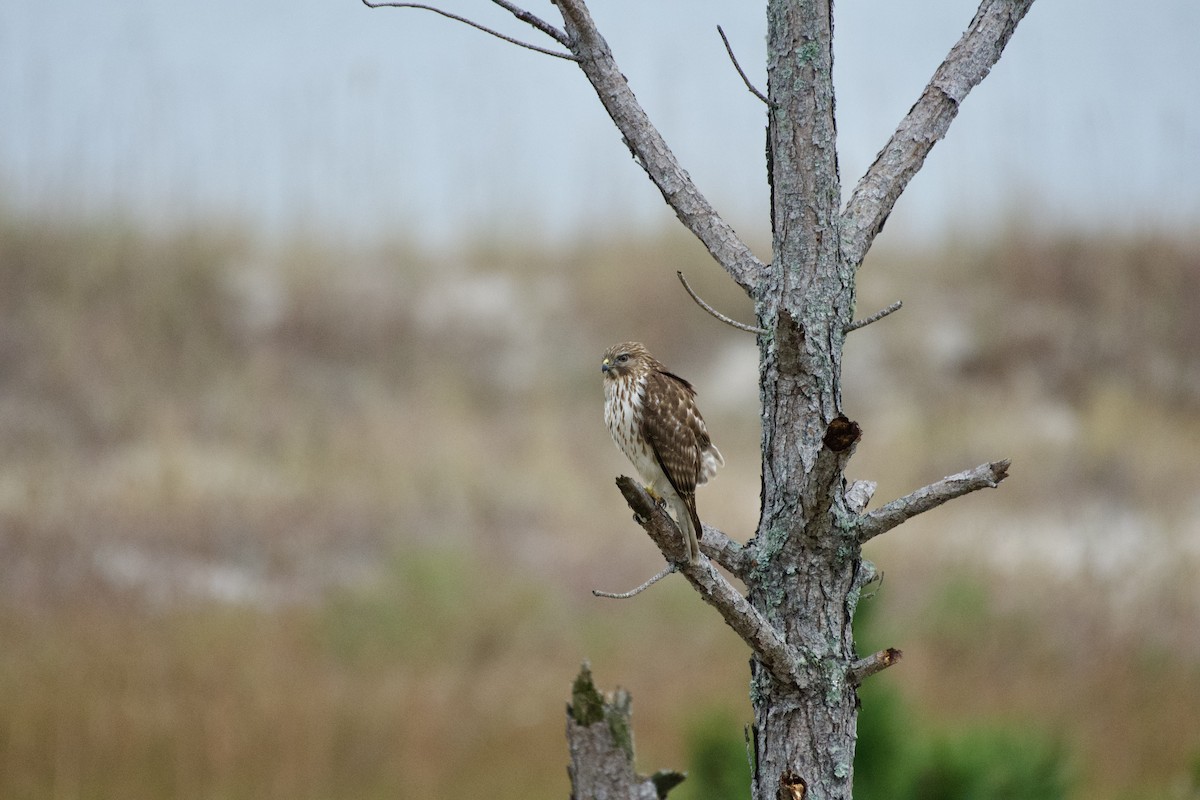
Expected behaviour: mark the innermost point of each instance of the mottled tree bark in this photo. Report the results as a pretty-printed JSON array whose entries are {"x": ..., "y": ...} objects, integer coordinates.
[{"x": 809, "y": 566}]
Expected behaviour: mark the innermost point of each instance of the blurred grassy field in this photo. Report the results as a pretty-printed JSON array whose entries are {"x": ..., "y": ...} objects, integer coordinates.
[{"x": 308, "y": 520}]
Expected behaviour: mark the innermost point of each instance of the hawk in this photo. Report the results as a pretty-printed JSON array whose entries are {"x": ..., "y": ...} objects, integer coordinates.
[{"x": 652, "y": 416}]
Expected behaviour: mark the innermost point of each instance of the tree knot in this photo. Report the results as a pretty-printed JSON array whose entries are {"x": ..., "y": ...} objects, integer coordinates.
[{"x": 841, "y": 433}]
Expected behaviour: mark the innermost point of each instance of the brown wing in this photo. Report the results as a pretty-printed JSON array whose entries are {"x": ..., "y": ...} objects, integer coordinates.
[{"x": 672, "y": 426}]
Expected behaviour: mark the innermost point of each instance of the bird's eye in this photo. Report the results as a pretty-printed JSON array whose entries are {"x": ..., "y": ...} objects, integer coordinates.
[{"x": 623, "y": 358}]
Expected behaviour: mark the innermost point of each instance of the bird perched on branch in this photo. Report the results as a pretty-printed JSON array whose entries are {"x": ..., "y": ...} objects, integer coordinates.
[{"x": 652, "y": 416}]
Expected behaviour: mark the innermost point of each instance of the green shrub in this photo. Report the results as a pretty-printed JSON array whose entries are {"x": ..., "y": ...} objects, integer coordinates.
[
  {"x": 718, "y": 768},
  {"x": 898, "y": 760}
]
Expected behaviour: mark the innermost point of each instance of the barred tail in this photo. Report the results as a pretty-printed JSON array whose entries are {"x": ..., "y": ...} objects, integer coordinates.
[{"x": 689, "y": 523}]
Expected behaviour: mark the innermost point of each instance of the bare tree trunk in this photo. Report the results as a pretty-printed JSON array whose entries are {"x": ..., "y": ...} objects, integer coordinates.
[
  {"x": 809, "y": 569},
  {"x": 600, "y": 738},
  {"x": 803, "y": 569}
]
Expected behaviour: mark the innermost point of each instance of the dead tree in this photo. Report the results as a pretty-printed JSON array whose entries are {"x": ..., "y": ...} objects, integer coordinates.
[{"x": 803, "y": 569}]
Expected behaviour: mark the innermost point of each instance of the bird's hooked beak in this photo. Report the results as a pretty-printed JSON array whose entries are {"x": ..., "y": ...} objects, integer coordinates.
[{"x": 606, "y": 365}]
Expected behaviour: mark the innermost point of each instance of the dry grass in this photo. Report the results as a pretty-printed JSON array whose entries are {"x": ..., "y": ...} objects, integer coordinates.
[{"x": 316, "y": 522}]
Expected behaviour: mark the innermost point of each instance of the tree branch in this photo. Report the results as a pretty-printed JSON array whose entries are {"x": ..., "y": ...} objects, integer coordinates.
[
  {"x": 662, "y": 573},
  {"x": 985, "y": 476},
  {"x": 746, "y": 621},
  {"x": 736, "y": 558},
  {"x": 552, "y": 31},
  {"x": 729, "y": 49},
  {"x": 864, "y": 668},
  {"x": 651, "y": 151},
  {"x": 878, "y": 315},
  {"x": 741, "y": 326},
  {"x": 968, "y": 63},
  {"x": 535, "y": 21}
]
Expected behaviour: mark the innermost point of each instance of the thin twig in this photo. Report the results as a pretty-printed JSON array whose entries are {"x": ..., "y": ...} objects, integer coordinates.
[
  {"x": 741, "y": 326},
  {"x": 536, "y": 21},
  {"x": 985, "y": 476},
  {"x": 878, "y": 315},
  {"x": 473, "y": 24},
  {"x": 729, "y": 49},
  {"x": 864, "y": 668},
  {"x": 667, "y": 570}
]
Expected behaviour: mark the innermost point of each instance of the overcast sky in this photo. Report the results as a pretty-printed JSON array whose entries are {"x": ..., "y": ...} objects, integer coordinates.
[{"x": 324, "y": 114}]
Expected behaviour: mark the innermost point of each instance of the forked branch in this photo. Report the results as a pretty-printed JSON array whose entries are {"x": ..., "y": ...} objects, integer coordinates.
[
  {"x": 713, "y": 543},
  {"x": 519, "y": 13},
  {"x": 535, "y": 21},
  {"x": 968, "y": 63},
  {"x": 985, "y": 476},
  {"x": 754, "y": 629}
]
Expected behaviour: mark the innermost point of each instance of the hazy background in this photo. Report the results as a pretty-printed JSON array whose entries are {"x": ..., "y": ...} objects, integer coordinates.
[
  {"x": 329, "y": 116},
  {"x": 304, "y": 481}
]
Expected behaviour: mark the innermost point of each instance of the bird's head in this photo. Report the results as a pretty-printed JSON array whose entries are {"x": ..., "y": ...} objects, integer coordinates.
[{"x": 624, "y": 360}]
